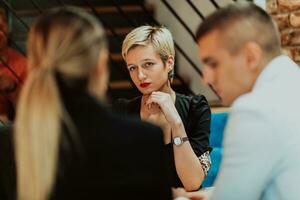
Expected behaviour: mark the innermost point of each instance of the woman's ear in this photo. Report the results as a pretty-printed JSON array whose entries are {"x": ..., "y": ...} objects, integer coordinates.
[
  {"x": 170, "y": 63},
  {"x": 99, "y": 79},
  {"x": 102, "y": 67}
]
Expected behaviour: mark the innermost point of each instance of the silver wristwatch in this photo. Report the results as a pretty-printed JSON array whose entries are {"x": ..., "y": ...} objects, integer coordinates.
[{"x": 179, "y": 140}]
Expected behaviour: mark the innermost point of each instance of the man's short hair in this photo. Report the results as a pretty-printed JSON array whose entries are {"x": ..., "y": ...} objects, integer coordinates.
[{"x": 239, "y": 23}]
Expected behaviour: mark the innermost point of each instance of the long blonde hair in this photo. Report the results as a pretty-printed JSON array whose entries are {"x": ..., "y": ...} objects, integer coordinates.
[{"x": 67, "y": 42}]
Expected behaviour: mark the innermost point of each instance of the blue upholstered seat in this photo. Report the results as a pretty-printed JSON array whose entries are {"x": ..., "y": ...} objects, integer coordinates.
[{"x": 218, "y": 121}]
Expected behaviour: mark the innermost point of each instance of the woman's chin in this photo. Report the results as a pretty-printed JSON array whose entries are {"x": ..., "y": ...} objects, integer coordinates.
[{"x": 146, "y": 91}]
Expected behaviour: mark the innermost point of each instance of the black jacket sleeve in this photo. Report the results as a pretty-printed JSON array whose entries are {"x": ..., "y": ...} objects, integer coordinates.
[{"x": 199, "y": 124}]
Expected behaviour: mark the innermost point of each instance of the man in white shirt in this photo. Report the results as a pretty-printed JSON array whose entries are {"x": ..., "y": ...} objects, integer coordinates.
[{"x": 240, "y": 49}]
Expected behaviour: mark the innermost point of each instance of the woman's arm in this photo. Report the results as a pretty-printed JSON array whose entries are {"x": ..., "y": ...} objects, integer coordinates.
[{"x": 188, "y": 166}]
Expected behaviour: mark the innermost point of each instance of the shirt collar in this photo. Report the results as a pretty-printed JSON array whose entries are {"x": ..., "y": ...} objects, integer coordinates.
[{"x": 273, "y": 68}]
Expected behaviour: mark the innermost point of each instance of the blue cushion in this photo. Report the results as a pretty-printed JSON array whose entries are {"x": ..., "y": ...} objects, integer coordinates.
[
  {"x": 218, "y": 122},
  {"x": 215, "y": 156},
  {"x": 217, "y": 125}
]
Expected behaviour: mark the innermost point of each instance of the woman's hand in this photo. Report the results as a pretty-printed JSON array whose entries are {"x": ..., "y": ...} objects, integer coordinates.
[
  {"x": 163, "y": 102},
  {"x": 155, "y": 115}
]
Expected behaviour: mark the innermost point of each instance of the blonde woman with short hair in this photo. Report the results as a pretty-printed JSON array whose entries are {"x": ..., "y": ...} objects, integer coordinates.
[
  {"x": 150, "y": 56},
  {"x": 67, "y": 144}
]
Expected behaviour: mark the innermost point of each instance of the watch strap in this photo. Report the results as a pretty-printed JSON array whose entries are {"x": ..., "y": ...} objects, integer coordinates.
[{"x": 182, "y": 140}]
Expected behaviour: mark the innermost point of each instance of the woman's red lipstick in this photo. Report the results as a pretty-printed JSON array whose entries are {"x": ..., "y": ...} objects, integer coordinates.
[{"x": 144, "y": 85}]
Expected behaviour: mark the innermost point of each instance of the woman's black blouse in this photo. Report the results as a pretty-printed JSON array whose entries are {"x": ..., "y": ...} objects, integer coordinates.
[{"x": 195, "y": 114}]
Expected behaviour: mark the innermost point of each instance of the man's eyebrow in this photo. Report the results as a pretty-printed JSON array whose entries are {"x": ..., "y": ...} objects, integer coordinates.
[{"x": 208, "y": 60}]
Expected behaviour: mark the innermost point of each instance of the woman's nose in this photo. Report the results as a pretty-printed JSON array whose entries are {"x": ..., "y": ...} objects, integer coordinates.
[{"x": 141, "y": 74}]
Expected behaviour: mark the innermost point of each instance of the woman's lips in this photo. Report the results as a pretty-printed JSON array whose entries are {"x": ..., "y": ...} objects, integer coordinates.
[{"x": 144, "y": 85}]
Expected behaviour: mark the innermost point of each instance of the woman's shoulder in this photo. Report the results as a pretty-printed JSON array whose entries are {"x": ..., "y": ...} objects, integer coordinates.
[
  {"x": 194, "y": 100},
  {"x": 125, "y": 101},
  {"x": 189, "y": 106},
  {"x": 127, "y": 105},
  {"x": 132, "y": 125}
]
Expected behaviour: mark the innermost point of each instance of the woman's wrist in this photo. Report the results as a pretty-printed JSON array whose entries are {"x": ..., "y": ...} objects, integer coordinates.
[
  {"x": 176, "y": 123},
  {"x": 178, "y": 128}
]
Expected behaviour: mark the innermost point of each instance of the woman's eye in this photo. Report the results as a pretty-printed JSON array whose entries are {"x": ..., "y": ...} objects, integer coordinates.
[
  {"x": 148, "y": 64},
  {"x": 132, "y": 68}
]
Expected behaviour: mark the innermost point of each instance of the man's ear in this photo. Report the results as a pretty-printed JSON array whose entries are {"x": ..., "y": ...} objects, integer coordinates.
[{"x": 253, "y": 53}]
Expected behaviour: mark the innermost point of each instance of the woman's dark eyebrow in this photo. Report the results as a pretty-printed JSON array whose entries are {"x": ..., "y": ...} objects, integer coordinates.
[
  {"x": 129, "y": 65},
  {"x": 147, "y": 59},
  {"x": 144, "y": 60}
]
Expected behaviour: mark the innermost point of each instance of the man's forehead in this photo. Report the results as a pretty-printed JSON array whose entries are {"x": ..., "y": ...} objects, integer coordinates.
[
  {"x": 212, "y": 36},
  {"x": 209, "y": 43}
]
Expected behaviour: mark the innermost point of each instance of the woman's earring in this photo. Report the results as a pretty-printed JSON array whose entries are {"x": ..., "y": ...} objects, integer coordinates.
[{"x": 171, "y": 74}]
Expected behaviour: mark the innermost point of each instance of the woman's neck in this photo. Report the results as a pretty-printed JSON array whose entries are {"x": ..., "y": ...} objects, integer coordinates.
[{"x": 167, "y": 89}]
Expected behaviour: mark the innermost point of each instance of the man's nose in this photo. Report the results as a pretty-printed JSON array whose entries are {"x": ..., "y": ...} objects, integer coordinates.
[{"x": 208, "y": 76}]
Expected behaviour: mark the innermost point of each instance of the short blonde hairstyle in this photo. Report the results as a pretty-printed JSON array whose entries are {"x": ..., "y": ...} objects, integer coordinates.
[{"x": 159, "y": 37}]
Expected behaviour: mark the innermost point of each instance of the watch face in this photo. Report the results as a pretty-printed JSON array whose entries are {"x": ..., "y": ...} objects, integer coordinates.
[{"x": 177, "y": 141}]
